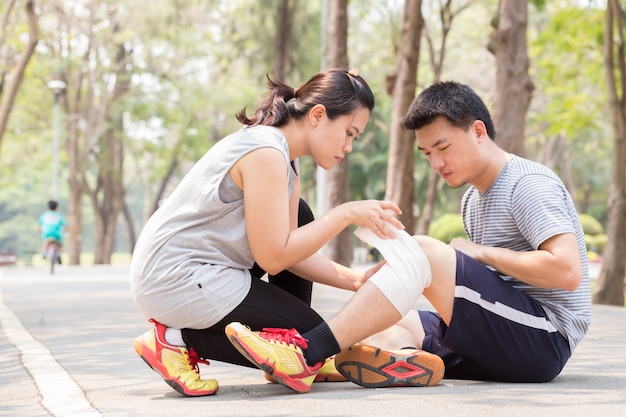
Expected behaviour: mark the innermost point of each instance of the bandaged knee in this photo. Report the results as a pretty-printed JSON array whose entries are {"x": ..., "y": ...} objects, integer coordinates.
[{"x": 405, "y": 274}]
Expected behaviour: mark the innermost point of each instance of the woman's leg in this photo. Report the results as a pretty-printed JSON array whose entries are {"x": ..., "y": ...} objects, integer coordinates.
[
  {"x": 264, "y": 306},
  {"x": 293, "y": 284}
]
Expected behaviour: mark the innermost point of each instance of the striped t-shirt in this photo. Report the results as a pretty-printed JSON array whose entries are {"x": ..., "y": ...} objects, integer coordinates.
[{"x": 526, "y": 205}]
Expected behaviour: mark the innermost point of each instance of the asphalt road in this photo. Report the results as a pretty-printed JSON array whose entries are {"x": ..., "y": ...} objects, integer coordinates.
[{"x": 66, "y": 350}]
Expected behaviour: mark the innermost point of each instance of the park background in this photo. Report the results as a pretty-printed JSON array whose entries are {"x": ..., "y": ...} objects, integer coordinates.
[{"x": 105, "y": 105}]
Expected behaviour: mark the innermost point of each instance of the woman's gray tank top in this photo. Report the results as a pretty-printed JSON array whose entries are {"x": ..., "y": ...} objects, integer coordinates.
[{"x": 191, "y": 261}]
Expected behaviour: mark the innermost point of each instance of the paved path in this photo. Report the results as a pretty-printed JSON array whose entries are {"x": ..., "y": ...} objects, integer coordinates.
[{"x": 66, "y": 350}]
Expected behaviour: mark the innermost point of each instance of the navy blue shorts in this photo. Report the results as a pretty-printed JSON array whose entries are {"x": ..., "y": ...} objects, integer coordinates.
[{"x": 496, "y": 332}]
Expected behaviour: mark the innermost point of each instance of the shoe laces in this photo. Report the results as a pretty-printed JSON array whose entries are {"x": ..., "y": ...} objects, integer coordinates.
[
  {"x": 194, "y": 359},
  {"x": 289, "y": 336}
]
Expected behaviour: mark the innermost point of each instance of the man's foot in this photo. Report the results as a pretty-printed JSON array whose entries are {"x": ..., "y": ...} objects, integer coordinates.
[
  {"x": 278, "y": 352},
  {"x": 327, "y": 373},
  {"x": 176, "y": 364},
  {"x": 372, "y": 367}
]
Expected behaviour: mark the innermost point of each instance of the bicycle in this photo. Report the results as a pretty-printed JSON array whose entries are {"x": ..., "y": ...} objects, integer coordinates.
[{"x": 52, "y": 253}]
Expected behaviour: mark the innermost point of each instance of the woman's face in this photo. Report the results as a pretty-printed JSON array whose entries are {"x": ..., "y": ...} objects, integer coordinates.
[{"x": 333, "y": 138}]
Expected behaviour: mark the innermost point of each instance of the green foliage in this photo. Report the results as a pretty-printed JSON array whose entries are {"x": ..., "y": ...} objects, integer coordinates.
[
  {"x": 595, "y": 239},
  {"x": 596, "y": 244},
  {"x": 194, "y": 63},
  {"x": 600, "y": 243},
  {"x": 565, "y": 47},
  {"x": 447, "y": 227},
  {"x": 591, "y": 226}
]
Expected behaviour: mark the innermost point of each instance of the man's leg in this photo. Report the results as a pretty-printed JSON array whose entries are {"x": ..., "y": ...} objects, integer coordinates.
[
  {"x": 376, "y": 313},
  {"x": 403, "y": 363},
  {"x": 408, "y": 332},
  {"x": 368, "y": 312}
]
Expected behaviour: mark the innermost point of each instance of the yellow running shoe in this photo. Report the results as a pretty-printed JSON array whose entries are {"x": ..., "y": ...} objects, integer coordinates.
[
  {"x": 176, "y": 364},
  {"x": 327, "y": 373},
  {"x": 278, "y": 352},
  {"x": 373, "y": 367}
]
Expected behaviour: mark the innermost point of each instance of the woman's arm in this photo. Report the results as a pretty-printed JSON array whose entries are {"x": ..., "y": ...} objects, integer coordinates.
[
  {"x": 275, "y": 246},
  {"x": 318, "y": 268}
]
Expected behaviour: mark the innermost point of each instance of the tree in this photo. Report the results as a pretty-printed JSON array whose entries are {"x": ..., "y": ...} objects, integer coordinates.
[
  {"x": 283, "y": 39},
  {"x": 513, "y": 86},
  {"x": 402, "y": 141},
  {"x": 437, "y": 58},
  {"x": 610, "y": 289},
  {"x": 12, "y": 71},
  {"x": 107, "y": 194},
  {"x": 335, "y": 188}
]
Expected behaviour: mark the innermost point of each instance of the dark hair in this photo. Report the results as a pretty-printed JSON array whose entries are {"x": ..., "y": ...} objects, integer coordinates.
[
  {"x": 339, "y": 90},
  {"x": 456, "y": 102},
  {"x": 52, "y": 205}
]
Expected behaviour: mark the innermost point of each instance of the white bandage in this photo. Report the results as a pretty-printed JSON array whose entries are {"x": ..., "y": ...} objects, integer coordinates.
[{"x": 407, "y": 271}]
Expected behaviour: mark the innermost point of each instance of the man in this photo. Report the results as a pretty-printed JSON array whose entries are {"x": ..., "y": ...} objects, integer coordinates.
[
  {"x": 513, "y": 301},
  {"x": 51, "y": 226}
]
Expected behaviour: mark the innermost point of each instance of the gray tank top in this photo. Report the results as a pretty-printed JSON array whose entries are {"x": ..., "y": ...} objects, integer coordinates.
[{"x": 190, "y": 265}]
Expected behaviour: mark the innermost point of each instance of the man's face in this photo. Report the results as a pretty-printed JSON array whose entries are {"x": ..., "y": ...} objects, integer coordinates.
[{"x": 451, "y": 151}]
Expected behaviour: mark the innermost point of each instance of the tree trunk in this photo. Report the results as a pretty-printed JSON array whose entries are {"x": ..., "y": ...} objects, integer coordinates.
[
  {"x": 282, "y": 39},
  {"x": 76, "y": 166},
  {"x": 8, "y": 92},
  {"x": 400, "y": 184},
  {"x": 513, "y": 89},
  {"x": 108, "y": 195},
  {"x": 336, "y": 179},
  {"x": 610, "y": 284},
  {"x": 430, "y": 200}
]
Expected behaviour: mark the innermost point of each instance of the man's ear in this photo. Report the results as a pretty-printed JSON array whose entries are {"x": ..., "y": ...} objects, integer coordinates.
[
  {"x": 480, "y": 130},
  {"x": 316, "y": 113}
]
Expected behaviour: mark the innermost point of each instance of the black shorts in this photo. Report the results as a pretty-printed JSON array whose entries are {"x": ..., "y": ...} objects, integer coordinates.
[{"x": 496, "y": 332}]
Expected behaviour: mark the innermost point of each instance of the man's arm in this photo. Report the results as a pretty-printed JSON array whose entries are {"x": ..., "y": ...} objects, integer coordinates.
[{"x": 556, "y": 264}]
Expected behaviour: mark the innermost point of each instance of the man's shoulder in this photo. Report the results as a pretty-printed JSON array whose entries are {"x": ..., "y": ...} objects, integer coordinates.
[{"x": 523, "y": 167}]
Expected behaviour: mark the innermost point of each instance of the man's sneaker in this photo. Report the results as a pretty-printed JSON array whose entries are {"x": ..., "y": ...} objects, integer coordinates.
[
  {"x": 176, "y": 364},
  {"x": 327, "y": 373},
  {"x": 372, "y": 367},
  {"x": 278, "y": 352}
]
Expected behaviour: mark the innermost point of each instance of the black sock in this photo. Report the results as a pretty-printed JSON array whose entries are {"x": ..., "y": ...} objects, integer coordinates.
[{"x": 322, "y": 344}]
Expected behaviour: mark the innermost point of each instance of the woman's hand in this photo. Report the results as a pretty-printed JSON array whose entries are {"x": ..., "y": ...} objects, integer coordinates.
[
  {"x": 367, "y": 275},
  {"x": 375, "y": 215}
]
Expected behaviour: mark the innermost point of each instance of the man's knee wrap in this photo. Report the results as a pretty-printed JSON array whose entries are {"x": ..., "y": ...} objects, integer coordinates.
[{"x": 407, "y": 271}]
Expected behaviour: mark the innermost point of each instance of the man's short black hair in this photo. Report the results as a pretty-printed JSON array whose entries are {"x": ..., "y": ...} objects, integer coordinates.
[{"x": 455, "y": 102}]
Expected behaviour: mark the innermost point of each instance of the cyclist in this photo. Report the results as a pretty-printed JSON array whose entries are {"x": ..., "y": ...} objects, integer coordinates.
[{"x": 51, "y": 226}]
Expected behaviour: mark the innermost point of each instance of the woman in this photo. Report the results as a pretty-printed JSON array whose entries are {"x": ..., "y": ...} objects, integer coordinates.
[{"x": 234, "y": 216}]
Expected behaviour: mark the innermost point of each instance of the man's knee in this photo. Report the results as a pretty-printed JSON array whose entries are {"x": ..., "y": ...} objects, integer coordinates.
[{"x": 435, "y": 250}]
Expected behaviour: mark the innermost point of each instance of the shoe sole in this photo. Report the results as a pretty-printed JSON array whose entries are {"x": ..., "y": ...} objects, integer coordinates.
[
  {"x": 372, "y": 367},
  {"x": 174, "y": 383},
  {"x": 264, "y": 364}
]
